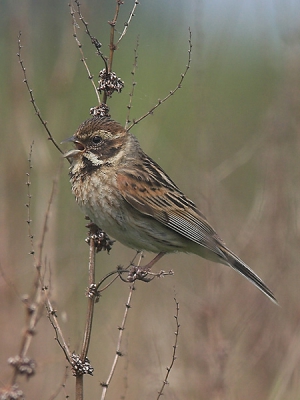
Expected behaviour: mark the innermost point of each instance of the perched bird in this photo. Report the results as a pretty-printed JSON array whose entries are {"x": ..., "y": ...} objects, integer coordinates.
[{"x": 125, "y": 193}]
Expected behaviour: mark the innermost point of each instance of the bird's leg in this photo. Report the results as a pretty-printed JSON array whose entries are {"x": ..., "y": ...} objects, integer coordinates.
[{"x": 139, "y": 272}]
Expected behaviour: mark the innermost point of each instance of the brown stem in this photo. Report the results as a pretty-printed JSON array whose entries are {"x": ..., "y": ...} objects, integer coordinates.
[
  {"x": 91, "y": 302},
  {"x": 90, "y": 312},
  {"x": 32, "y": 100}
]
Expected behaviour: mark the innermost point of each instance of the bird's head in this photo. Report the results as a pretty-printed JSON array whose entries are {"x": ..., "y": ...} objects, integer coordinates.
[{"x": 98, "y": 140}]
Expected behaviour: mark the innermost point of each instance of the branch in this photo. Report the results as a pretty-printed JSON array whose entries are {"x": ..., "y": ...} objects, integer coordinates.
[
  {"x": 32, "y": 100},
  {"x": 94, "y": 40},
  {"x": 121, "y": 330},
  {"x": 126, "y": 25},
  {"x": 136, "y": 121},
  {"x": 165, "y": 381},
  {"x": 34, "y": 303},
  {"x": 83, "y": 59},
  {"x": 133, "y": 82}
]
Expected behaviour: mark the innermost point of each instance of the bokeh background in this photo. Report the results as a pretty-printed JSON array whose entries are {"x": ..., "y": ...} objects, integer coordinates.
[{"x": 229, "y": 138}]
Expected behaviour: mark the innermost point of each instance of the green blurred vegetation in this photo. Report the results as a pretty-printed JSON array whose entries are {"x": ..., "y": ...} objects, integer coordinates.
[{"x": 230, "y": 140}]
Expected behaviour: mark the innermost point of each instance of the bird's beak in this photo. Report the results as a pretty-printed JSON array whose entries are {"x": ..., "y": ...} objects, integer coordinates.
[{"x": 79, "y": 147}]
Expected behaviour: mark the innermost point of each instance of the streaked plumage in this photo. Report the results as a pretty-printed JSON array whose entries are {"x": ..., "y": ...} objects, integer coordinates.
[{"x": 128, "y": 195}]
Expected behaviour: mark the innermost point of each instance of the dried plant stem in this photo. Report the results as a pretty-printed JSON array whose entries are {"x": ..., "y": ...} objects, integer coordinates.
[
  {"x": 121, "y": 330},
  {"x": 90, "y": 311},
  {"x": 83, "y": 59},
  {"x": 94, "y": 40},
  {"x": 126, "y": 25},
  {"x": 58, "y": 332},
  {"x": 133, "y": 83},
  {"x": 50, "y": 309},
  {"x": 36, "y": 301},
  {"x": 60, "y": 387},
  {"x": 112, "y": 46},
  {"x": 118, "y": 352},
  {"x": 91, "y": 300},
  {"x": 161, "y": 101},
  {"x": 32, "y": 100},
  {"x": 165, "y": 381}
]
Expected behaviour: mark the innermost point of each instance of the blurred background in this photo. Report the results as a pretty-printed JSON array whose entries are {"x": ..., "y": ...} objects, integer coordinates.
[{"x": 230, "y": 140}]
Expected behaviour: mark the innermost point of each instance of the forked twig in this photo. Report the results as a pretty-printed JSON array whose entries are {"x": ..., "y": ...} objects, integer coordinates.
[
  {"x": 32, "y": 100},
  {"x": 161, "y": 101},
  {"x": 165, "y": 381},
  {"x": 83, "y": 59}
]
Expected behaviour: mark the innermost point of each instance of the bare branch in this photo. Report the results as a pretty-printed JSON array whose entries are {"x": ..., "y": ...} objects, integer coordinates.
[
  {"x": 32, "y": 100},
  {"x": 83, "y": 59},
  {"x": 165, "y": 381},
  {"x": 45, "y": 225},
  {"x": 94, "y": 40},
  {"x": 34, "y": 303},
  {"x": 28, "y": 204},
  {"x": 133, "y": 82},
  {"x": 91, "y": 295},
  {"x": 61, "y": 386},
  {"x": 112, "y": 46},
  {"x": 106, "y": 384},
  {"x": 136, "y": 121},
  {"x": 126, "y": 25},
  {"x": 59, "y": 337}
]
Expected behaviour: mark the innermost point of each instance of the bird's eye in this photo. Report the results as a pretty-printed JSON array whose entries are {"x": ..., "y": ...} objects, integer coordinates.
[{"x": 96, "y": 139}]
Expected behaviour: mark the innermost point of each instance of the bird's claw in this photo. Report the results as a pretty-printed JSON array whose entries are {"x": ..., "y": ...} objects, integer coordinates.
[{"x": 139, "y": 273}]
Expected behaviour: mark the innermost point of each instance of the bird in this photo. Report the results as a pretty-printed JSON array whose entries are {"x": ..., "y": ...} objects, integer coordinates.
[{"x": 129, "y": 196}]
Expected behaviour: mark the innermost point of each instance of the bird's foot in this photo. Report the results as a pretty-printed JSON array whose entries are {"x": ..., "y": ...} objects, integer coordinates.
[
  {"x": 141, "y": 273},
  {"x": 138, "y": 272}
]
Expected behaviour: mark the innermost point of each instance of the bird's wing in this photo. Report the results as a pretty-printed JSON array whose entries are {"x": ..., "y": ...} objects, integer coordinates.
[{"x": 150, "y": 191}]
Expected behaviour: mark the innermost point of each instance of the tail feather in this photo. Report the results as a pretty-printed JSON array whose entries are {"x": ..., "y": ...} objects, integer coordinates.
[{"x": 237, "y": 264}]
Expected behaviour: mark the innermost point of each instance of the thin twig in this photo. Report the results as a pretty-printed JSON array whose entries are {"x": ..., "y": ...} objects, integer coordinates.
[
  {"x": 32, "y": 100},
  {"x": 126, "y": 25},
  {"x": 112, "y": 46},
  {"x": 93, "y": 39},
  {"x": 118, "y": 350},
  {"x": 83, "y": 59},
  {"x": 165, "y": 381},
  {"x": 92, "y": 295},
  {"x": 46, "y": 219},
  {"x": 35, "y": 302},
  {"x": 161, "y": 101},
  {"x": 91, "y": 300},
  {"x": 51, "y": 312},
  {"x": 28, "y": 204},
  {"x": 133, "y": 82},
  {"x": 59, "y": 337},
  {"x": 61, "y": 386},
  {"x": 118, "y": 272}
]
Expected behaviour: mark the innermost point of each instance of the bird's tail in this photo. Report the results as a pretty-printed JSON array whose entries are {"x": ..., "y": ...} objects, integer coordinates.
[{"x": 237, "y": 264}]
